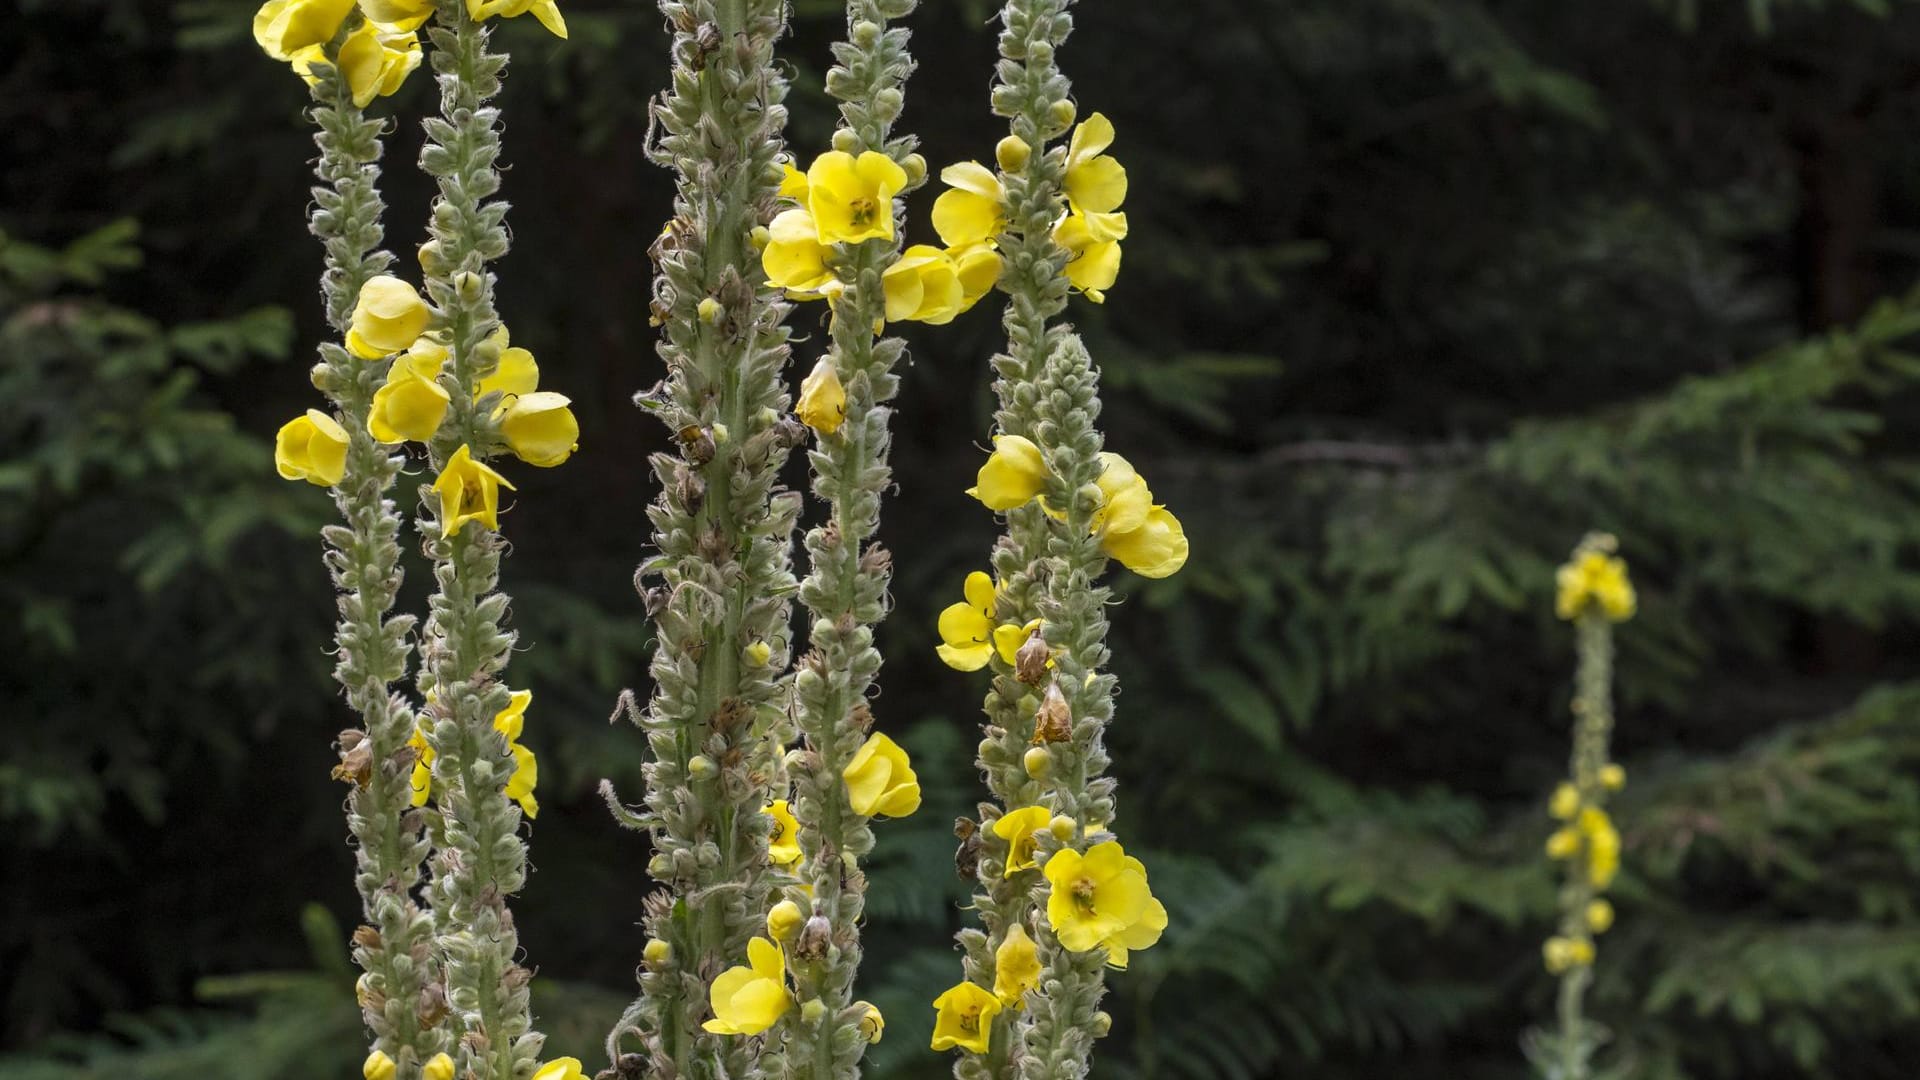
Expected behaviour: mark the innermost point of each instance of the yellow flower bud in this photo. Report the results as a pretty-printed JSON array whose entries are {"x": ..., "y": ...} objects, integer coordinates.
[
  {"x": 700, "y": 767},
  {"x": 1565, "y": 803},
  {"x": 1613, "y": 777},
  {"x": 1062, "y": 113},
  {"x": 758, "y": 653},
  {"x": 1563, "y": 844},
  {"x": 1599, "y": 916},
  {"x": 438, "y": 1067},
  {"x": 1102, "y": 1024},
  {"x": 823, "y": 400},
  {"x": 915, "y": 167},
  {"x": 378, "y": 1066},
  {"x": 813, "y": 1011},
  {"x": 1062, "y": 827},
  {"x": 845, "y": 141},
  {"x": 709, "y": 309},
  {"x": 872, "y": 1024},
  {"x": 761, "y": 237},
  {"x": 313, "y": 448},
  {"x": 1012, "y": 153},
  {"x": 784, "y": 920},
  {"x": 657, "y": 954},
  {"x": 432, "y": 258},
  {"x": 1038, "y": 762}
]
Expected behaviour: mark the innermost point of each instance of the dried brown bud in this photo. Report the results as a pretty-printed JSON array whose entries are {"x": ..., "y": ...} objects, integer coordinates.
[
  {"x": 732, "y": 713},
  {"x": 1053, "y": 721},
  {"x": 861, "y": 716},
  {"x": 965, "y": 827},
  {"x": 696, "y": 444},
  {"x": 356, "y": 765},
  {"x": 516, "y": 977},
  {"x": 433, "y": 1005},
  {"x": 366, "y": 937},
  {"x": 876, "y": 560},
  {"x": 351, "y": 738},
  {"x": 966, "y": 858},
  {"x": 1031, "y": 661},
  {"x": 814, "y": 937}
]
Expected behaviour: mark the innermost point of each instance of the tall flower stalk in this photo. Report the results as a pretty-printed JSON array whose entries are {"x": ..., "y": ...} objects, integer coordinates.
[
  {"x": 715, "y": 724},
  {"x": 1060, "y": 899},
  {"x": 1594, "y": 594},
  {"x": 400, "y": 994},
  {"x": 841, "y": 776}
]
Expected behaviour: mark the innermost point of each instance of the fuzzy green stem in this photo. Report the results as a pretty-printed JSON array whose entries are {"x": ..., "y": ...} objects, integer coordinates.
[
  {"x": 400, "y": 993},
  {"x": 724, "y": 533}
]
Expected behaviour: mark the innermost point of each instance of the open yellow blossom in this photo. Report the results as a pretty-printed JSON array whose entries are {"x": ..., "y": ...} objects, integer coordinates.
[
  {"x": 515, "y": 373},
  {"x": 1157, "y": 549},
  {"x": 969, "y": 637},
  {"x": 469, "y": 491},
  {"x": 872, "y": 1024},
  {"x": 880, "y": 780},
  {"x": 423, "y": 755},
  {"x": 1603, "y": 853},
  {"x": 851, "y": 198},
  {"x": 1018, "y": 829},
  {"x": 566, "y": 1068},
  {"x": 388, "y": 317},
  {"x": 311, "y": 447},
  {"x": 1595, "y": 579},
  {"x": 1014, "y": 475},
  {"x": 972, "y": 212},
  {"x": 411, "y": 404},
  {"x": 540, "y": 429},
  {"x": 784, "y": 846},
  {"x": 1016, "y": 967},
  {"x": 1565, "y": 802},
  {"x": 405, "y": 14},
  {"x": 1102, "y": 898},
  {"x": 1563, "y": 954},
  {"x": 749, "y": 1000},
  {"x": 823, "y": 400},
  {"x": 922, "y": 285},
  {"x": 547, "y": 11},
  {"x": 378, "y": 1066},
  {"x": 965, "y": 1019},
  {"x": 438, "y": 1067},
  {"x": 1096, "y": 183},
  {"x": 284, "y": 27},
  {"x": 795, "y": 259},
  {"x": 978, "y": 268},
  {"x": 1093, "y": 251},
  {"x": 375, "y": 58}
]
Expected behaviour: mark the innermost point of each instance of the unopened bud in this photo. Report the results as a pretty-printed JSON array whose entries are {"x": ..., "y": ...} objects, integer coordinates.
[
  {"x": 701, "y": 767},
  {"x": 813, "y": 1012},
  {"x": 1053, "y": 721},
  {"x": 432, "y": 258},
  {"x": 1031, "y": 660},
  {"x": 709, "y": 310},
  {"x": 1040, "y": 52},
  {"x": 438, "y": 1067},
  {"x": 845, "y": 140},
  {"x": 720, "y": 434},
  {"x": 1012, "y": 153},
  {"x": 1038, "y": 761},
  {"x": 758, "y": 653},
  {"x": 871, "y": 1022},
  {"x": 784, "y": 920},
  {"x": 864, "y": 33},
  {"x": 888, "y": 103},
  {"x": 469, "y": 286},
  {"x": 1102, "y": 1024},
  {"x": 1062, "y": 113},
  {"x": 761, "y": 237},
  {"x": 1062, "y": 827},
  {"x": 378, "y": 1066},
  {"x": 658, "y": 954},
  {"x": 321, "y": 376},
  {"x": 915, "y": 167}
]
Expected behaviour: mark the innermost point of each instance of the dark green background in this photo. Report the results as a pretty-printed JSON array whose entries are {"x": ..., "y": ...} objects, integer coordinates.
[{"x": 1417, "y": 292}]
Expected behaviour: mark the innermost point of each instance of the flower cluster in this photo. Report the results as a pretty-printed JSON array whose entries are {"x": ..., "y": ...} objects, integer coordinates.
[
  {"x": 378, "y": 53},
  {"x": 1144, "y": 536},
  {"x": 509, "y": 722},
  {"x": 1591, "y": 841},
  {"x": 1093, "y": 227},
  {"x": 969, "y": 637},
  {"x": 1595, "y": 579},
  {"x": 848, "y": 199}
]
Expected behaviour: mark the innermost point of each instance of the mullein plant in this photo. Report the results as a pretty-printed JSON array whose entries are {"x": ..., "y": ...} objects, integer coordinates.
[
  {"x": 1594, "y": 593},
  {"x": 720, "y": 587},
  {"x": 442, "y": 993},
  {"x": 1060, "y": 900}
]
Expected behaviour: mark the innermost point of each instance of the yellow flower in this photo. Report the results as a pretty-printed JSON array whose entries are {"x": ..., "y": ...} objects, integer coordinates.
[
  {"x": 1017, "y": 828},
  {"x": 749, "y": 1000},
  {"x": 547, "y": 11},
  {"x": 1613, "y": 777},
  {"x": 422, "y": 779},
  {"x": 1093, "y": 251},
  {"x": 965, "y": 1018},
  {"x": 970, "y": 213},
  {"x": 1594, "y": 578},
  {"x": 376, "y": 59},
  {"x": 1603, "y": 856},
  {"x": 851, "y": 198},
  {"x": 1013, "y": 476},
  {"x": 469, "y": 491},
  {"x": 966, "y": 629},
  {"x": 313, "y": 448},
  {"x": 793, "y": 182},
  {"x": 823, "y": 400},
  {"x": 1096, "y": 183},
  {"x": 438, "y": 1067},
  {"x": 565, "y": 1068},
  {"x": 1102, "y": 898},
  {"x": 1562, "y": 954},
  {"x": 872, "y": 1024},
  {"x": 284, "y": 27},
  {"x": 1599, "y": 916},
  {"x": 515, "y": 373},
  {"x": 880, "y": 779},
  {"x": 1565, "y": 802},
  {"x": 411, "y": 403},
  {"x": 978, "y": 268},
  {"x": 540, "y": 429},
  {"x": 1563, "y": 844},
  {"x": 923, "y": 285},
  {"x": 784, "y": 846},
  {"x": 1157, "y": 549},
  {"x": 405, "y": 14},
  {"x": 378, "y": 1066},
  {"x": 1016, "y": 967},
  {"x": 388, "y": 317},
  {"x": 795, "y": 259},
  {"x": 784, "y": 920}
]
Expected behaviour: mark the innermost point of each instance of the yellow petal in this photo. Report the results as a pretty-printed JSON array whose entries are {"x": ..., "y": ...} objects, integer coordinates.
[
  {"x": 963, "y": 218},
  {"x": 964, "y": 657},
  {"x": 1013, "y": 474},
  {"x": 284, "y": 27},
  {"x": 540, "y": 429},
  {"x": 1098, "y": 186},
  {"x": 962, "y": 626},
  {"x": 516, "y": 373},
  {"x": 1093, "y": 135},
  {"x": 823, "y": 399},
  {"x": 408, "y": 407},
  {"x": 980, "y": 591}
]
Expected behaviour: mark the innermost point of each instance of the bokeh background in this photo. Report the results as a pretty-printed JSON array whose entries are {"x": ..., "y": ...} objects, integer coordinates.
[{"x": 1417, "y": 292}]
